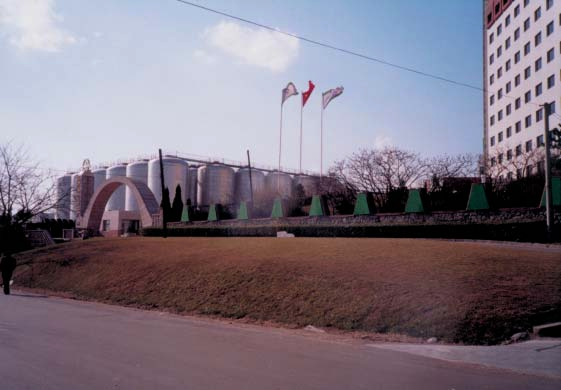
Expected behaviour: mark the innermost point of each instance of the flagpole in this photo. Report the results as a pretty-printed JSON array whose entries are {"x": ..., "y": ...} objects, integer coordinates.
[
  {"x": 321, "y": 145},
  {"x": 301, "y": 119},
  {"x": 280, "y": 151}
]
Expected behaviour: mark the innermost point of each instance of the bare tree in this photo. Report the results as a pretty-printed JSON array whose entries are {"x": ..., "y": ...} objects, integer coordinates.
[
  {"x": 381, "y": 171},
  {"x": 505, "y": 164},
  {"x": 26, "y": 190},
  {"x": 445, "y": 165}
]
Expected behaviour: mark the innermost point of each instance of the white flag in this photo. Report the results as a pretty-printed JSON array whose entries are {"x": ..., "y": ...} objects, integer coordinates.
[
  {"x": 289, "y": 91},
  {"x": 330, "y": 95}
]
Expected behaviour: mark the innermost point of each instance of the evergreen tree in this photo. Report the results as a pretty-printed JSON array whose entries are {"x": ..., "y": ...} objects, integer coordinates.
[
  {"x": 177, "y": 205},
  {"x": 165, "y": 205}
]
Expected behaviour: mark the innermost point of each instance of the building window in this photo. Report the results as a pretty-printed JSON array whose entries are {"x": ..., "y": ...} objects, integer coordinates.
[
  {"x": 528, "y": 146},
  {"x": 527, "y": 96},
  {"x": 526, "y": 24},
  {"x": 499, "y": 72},
  {"x": 527, "y": 48},
  {"x": 516, "y": 34},
  {"x": 491, "y": 79},
  {"x": 509, "y": 154},
  {"x": 539, "y": 89},
  {"x": 517, "y": 80},
  {"x": 491, "y": 59},
  {"x": 106, "y": 225},
  {"x": 537, "y": 13},
  {"x": 539, "y": 141},
  {"x": 500, "y": 136},
  {"x": 519, "y": 173},
  {"x": 550, "y": 55},
  {"x": 518, "y": 127},
  {"x": 507, "y": 43},
  {"x": 552, "y": 107},
  {"x": 492, "y": 120},
  {"x": 516, "y": 11},
  {"x": 518, "y": 150},
  {"x": 491, "y": 38},
  {"x": 499, "y": 29},
  {"x": 492, "y": 100},
  {"x": 528, "y": 121},
  {"x": 538, "y": 39},
  {"x": 507, "y": 65},
  {"x": 550, "y": 81},
  {"x": 549, "y": 29},
  {"x": 508, "y": 132},
  {"x": 517, "y": 57},
  {"x": 517, "y": 103},
  {"x": 499, "y": 51},
  {"x": 541, "y": 167},
  {"x": 493, "y": 161},
  {"x": 527, "y": 73},
  {"x": 507, "y": 20},
  {"x": 500, "y": 158},
  {"x": 548, "y": 4},
  {"x": 526, "y": 2},
  {"x": 529, "y": 167},
  {"x": 500, "y": 115},
  {"x": 539, "y": 115},
  {"x": 538, "y": 64},
  {"x": 493, "y": 141},
  {"x": 500, "y": 93},
  {"x": 508, "y": 87},
  {"x": 508, "y": 109}
]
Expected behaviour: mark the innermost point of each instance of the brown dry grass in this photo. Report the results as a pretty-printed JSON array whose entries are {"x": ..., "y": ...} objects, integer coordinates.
[{"x": 459, "y": 292}]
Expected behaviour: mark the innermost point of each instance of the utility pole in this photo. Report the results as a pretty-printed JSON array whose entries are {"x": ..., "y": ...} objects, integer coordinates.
[
  {"x": 250, "y": 179},
  {"x": 164, "y": 220},
  {"x": 548, "y": 194}
]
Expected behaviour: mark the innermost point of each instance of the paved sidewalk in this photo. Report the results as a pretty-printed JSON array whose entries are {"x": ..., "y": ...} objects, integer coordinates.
[{"x": 538, "y": 357}]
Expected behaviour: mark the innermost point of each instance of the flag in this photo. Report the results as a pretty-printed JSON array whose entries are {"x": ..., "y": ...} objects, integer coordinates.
[
  {"x": 330, "y": 95},
  {"x": 306, "y": 95},
  {"x": 289, "y": 91}
]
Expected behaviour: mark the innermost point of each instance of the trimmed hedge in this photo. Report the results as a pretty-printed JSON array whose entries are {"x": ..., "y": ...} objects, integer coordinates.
[{"x": 521, "y": 231}]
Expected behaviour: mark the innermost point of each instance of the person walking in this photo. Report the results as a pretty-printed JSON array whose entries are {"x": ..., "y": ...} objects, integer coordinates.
[{"x": 7, "y": 266}]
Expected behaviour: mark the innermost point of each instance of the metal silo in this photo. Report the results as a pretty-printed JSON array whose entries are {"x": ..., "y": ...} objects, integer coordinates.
[
  {"x": 279, "y": 183},
  {"x": 99, "y": 177},
  {"x": 136, "y": 171},
  {"x": 310, "y": 184},
  {"x": 192, "y": 185},
  {"x": 117, "y": 200},
  {"x": 74, "y": 206},
  {"x": 175, "y": 173},
  {"x": 63, "y": 184},
  {"x": 216, "y": 185},
  {"x": 242, "y": 191}
]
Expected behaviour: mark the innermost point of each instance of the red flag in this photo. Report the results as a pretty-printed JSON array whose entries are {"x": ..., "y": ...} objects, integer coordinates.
[{"x": 306, "y": 95}]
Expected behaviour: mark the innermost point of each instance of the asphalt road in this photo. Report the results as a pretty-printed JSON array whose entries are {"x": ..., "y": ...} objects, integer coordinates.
[{"x": 51, "y": 343}]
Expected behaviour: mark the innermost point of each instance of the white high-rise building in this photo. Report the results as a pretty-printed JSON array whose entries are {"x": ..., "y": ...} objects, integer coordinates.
[{"x": 522, "y": 70}]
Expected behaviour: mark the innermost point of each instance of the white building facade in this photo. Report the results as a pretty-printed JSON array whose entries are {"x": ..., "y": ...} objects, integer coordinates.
[{"x": 522, "y": 70}]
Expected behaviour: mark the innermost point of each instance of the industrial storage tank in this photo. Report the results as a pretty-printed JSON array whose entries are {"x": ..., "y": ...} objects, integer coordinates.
[
  {"x": 242, "y": 190},
  {"x": 216, "y": 185},
  {"x": 99, "y": 177},
  {"x": 117, "y": 200},
  {"x": 192, "y": 185},
  {"x": 137, "y": 171},
  {"x": 74, "y": 206},
  {"x": 175, "y": 173},
  {"x": 63, "y": 184},
  {"x": 279, "y": 183},
  {"x": 310, "y": 184}
]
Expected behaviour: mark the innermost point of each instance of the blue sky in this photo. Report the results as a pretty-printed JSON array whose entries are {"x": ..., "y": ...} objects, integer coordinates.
[{"x": 110, "y": 80}]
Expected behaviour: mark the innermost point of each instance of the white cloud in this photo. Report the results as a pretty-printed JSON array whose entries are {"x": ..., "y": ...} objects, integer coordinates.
[
  {"x": 259, "y": 47},
  {"x": 33, "y": 25},
  {"x": 204, "y": 57},
  {"x": 381, "y": 141}
]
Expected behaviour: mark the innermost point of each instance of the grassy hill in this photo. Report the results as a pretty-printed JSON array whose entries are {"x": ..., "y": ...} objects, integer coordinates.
[{"x": 458, "y": 292}]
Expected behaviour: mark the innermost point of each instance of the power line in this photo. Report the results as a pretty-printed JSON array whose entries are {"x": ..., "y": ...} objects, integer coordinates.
[
  {"x": 333, "y": 47},
  {"x": 347, "y": 51}
]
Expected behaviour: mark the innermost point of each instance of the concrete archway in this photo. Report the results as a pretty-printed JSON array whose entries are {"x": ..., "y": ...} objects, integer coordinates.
[{"x": 145, "y": 199}]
